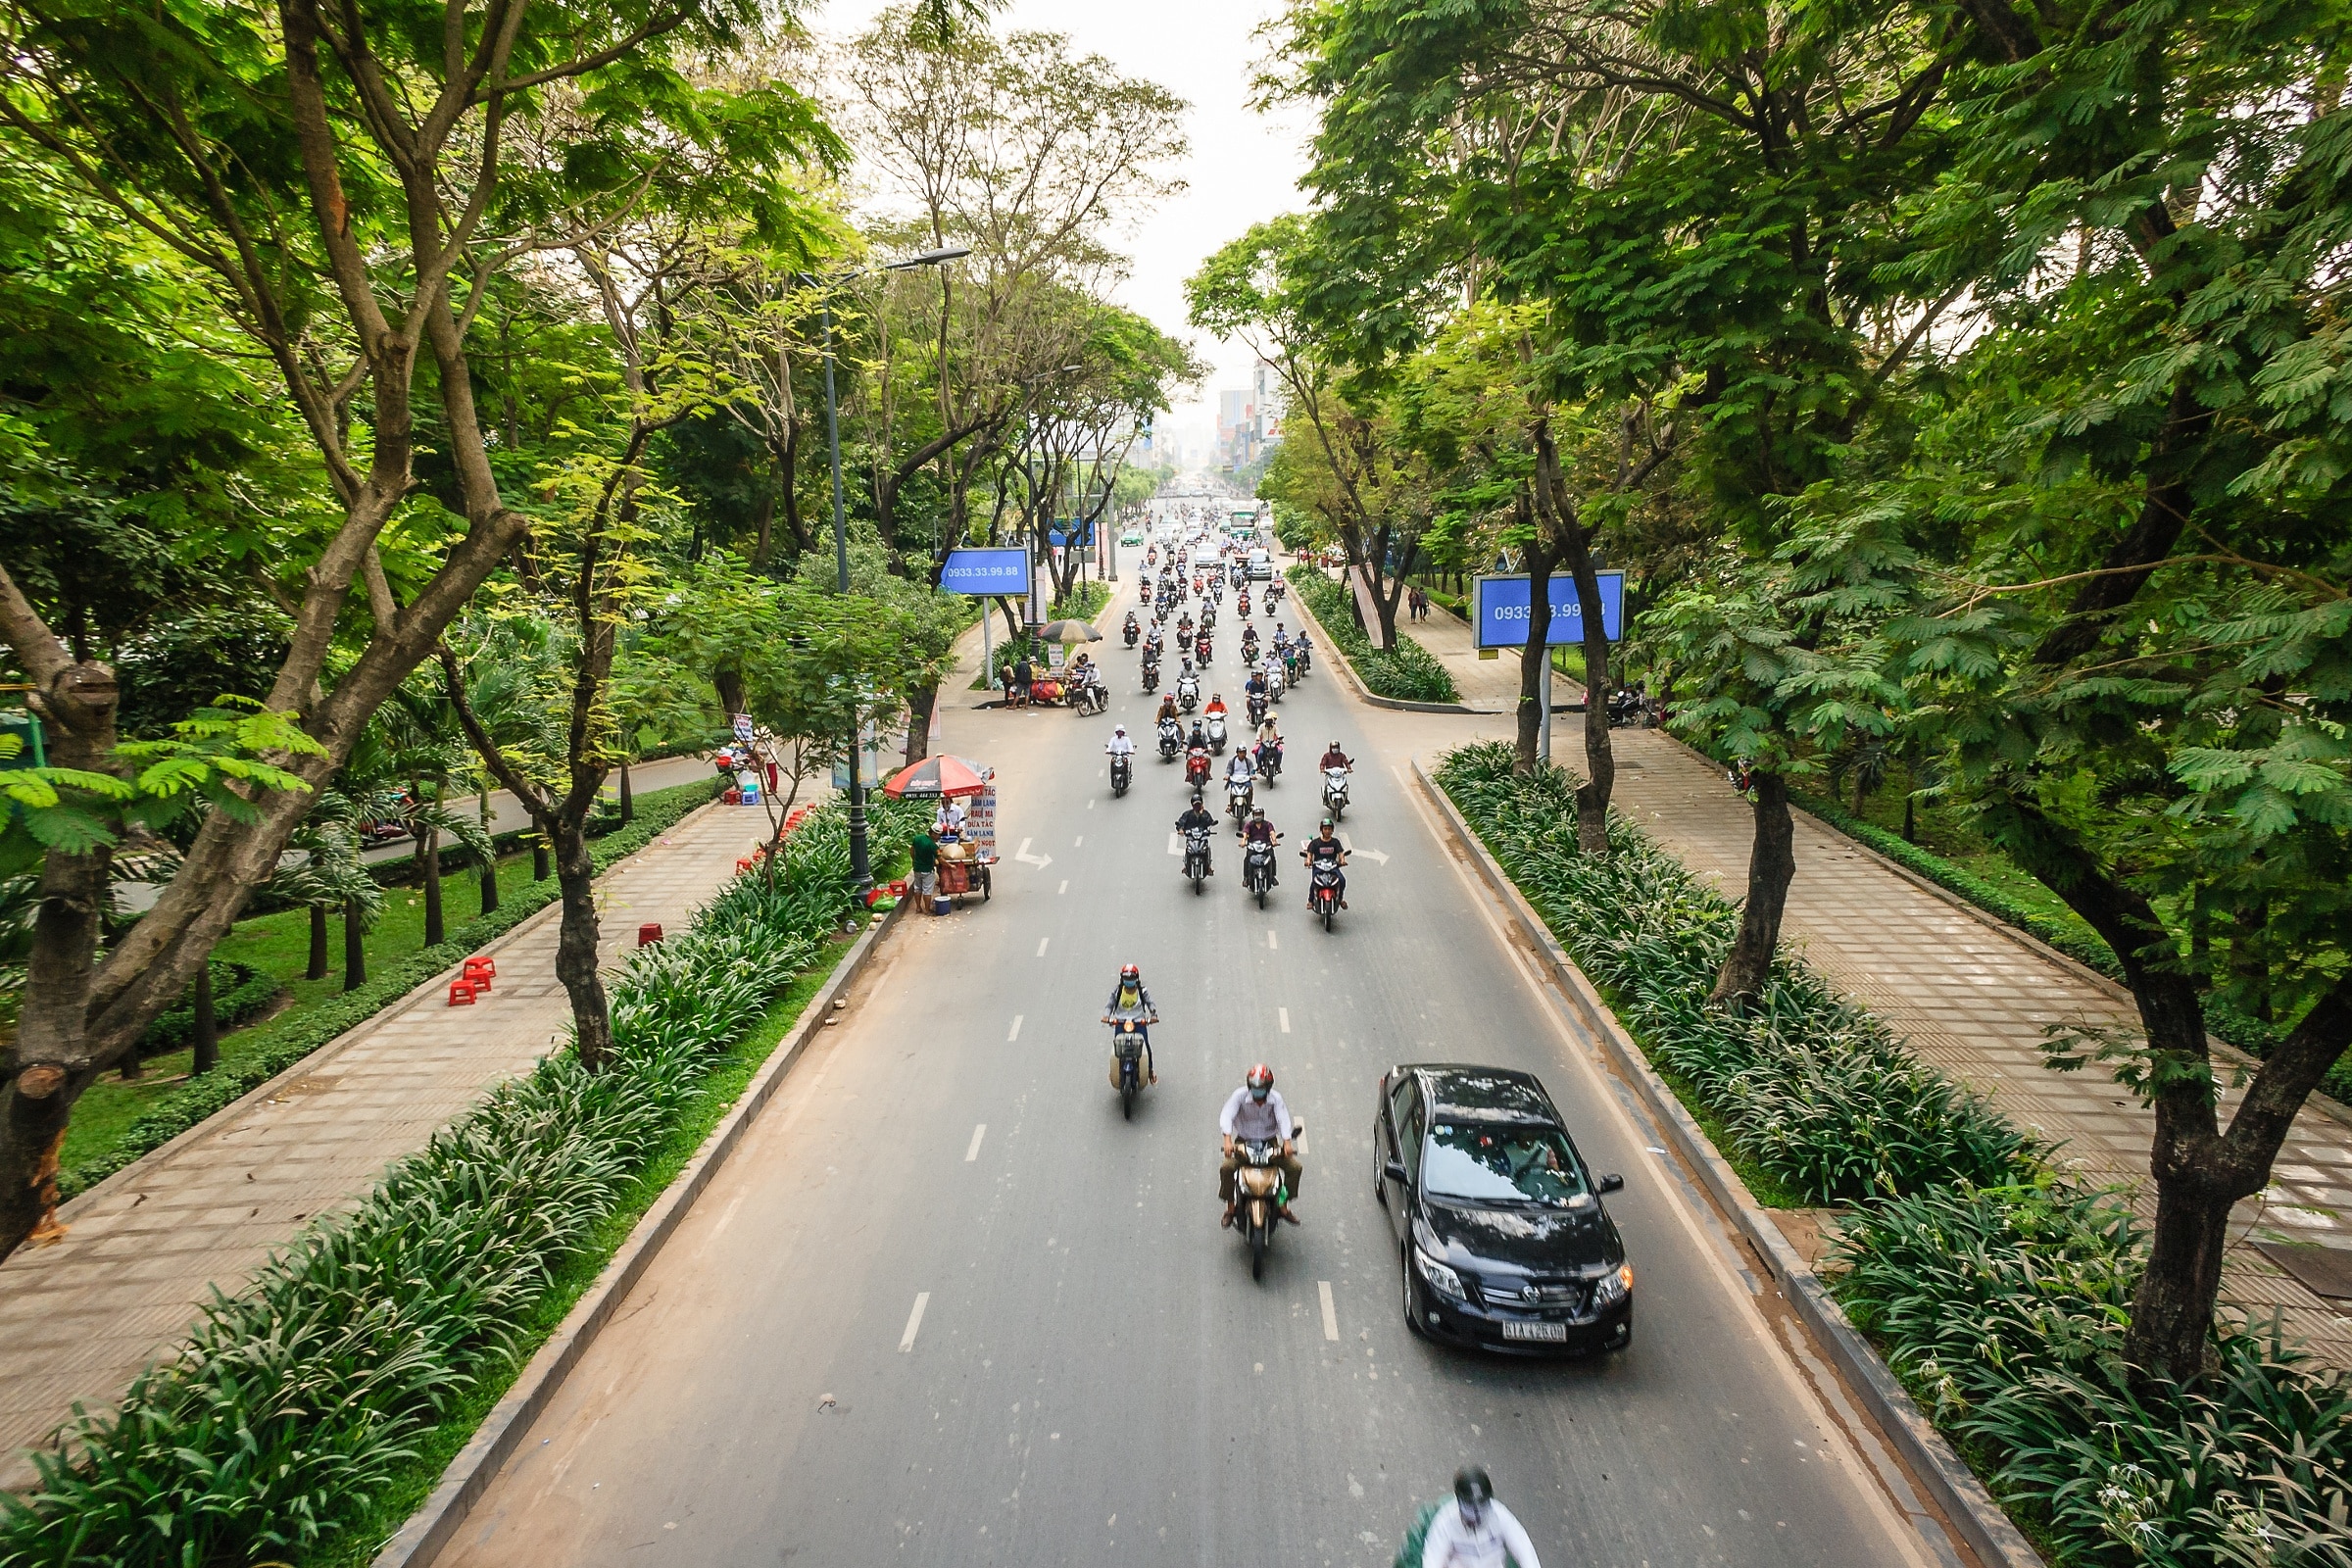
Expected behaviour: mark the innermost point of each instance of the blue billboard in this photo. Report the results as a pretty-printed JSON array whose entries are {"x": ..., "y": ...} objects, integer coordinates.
[
  {"x": 986, "y": 571},
  {"x": 1499, "y": 607},
  {"x": 1068, "y": 531}
]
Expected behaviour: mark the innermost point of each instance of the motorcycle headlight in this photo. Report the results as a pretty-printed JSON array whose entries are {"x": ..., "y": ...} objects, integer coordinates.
[
  {"x": 1442, "y": 1279},
  {"x": 1613, "y": 1286}
]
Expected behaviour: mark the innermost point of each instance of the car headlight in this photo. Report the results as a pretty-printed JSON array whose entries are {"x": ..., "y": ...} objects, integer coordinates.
[
  {"x": 1613, "y": 1286},
  {"x": 1445, "y": 1281}
]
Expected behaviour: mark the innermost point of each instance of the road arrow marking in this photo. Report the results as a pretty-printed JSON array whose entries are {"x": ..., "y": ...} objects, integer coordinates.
[
  {"x": 1022, "y": 855},
  {"x": 914, "y": 1322},
  {"x": 973, "y": 1153},
  {"x": 1175, "y": 843},
  {"x": 1331, "y": 1315},
  {"x": 1379, "y": 855}
]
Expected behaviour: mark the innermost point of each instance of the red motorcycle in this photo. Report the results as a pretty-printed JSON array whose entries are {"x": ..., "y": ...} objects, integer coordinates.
[
  {"x": 1196, "y": 766},
  {"x": 1200, "y": 647}
]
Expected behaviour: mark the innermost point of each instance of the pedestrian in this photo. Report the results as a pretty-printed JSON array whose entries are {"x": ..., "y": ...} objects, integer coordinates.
[
  {"x": 925, "y": 853},
  {"x": 1022, "y": 675},
  {"x": 771, "y": 777}
]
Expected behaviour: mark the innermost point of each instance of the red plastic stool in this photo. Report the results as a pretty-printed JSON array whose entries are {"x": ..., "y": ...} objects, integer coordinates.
[
  {"x": 648, "y": 934},
  {"x": 460, "y": 994},
  {"x": 478, "y": 972},
  {"x": 743, "y": 864}
]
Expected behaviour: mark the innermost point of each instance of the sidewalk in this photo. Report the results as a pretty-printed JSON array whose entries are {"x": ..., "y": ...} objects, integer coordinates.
[
  {"x": 145, "y": 1247},
  {"x": 1971, "y": 996}
]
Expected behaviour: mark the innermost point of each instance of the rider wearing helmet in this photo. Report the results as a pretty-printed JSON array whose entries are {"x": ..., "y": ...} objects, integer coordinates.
[
  {"x": 1131, "y": 1000},
  {"x": 1196, "y": 815},
  {"x": 1476, "y": 1532},
  {"x": 1335, "y": 758},
  {"x": 1256, "y": 1113},
  {"x": 1326, "y": 843},
  {"x": 1120, "y": 745}
]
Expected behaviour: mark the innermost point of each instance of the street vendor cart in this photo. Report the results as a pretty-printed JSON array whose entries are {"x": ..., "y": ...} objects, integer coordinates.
[{"x": 966, "y": 860}]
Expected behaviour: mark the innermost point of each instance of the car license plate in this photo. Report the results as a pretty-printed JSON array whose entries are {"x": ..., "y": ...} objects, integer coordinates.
[{"x": 1534, "y": 1331}]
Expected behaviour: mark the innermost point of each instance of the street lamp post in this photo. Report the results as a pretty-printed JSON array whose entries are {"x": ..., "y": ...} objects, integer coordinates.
[{"x": 861, "y": 870}]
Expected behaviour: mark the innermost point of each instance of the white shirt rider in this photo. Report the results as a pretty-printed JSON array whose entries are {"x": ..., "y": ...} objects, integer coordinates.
[
  {"x": 1257, "y": 1111},
  {"x": 1454, "y": 1543},
  {"x": 1121, "y": 745},
  {"x": 1239, "y": 770}
]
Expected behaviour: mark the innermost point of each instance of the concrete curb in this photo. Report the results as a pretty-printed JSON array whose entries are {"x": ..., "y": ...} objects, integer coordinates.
[
  {"x": 1333, "y": 656},
  {"x": 1996, "y": 1541},
  {"x": 435, "y": 1524},
  {"x": 73, "y": 1207}
]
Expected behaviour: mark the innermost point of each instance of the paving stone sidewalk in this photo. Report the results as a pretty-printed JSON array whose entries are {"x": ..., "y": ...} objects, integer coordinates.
[
  {"x": 78, "y": 1318},
  {"x": 1971, "y": 995}
]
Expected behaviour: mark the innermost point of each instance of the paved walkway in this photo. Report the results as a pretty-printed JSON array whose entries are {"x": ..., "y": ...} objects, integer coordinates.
[
  {"x": 78, "y": 1318},
  {"x": 1971, "y": 995}
]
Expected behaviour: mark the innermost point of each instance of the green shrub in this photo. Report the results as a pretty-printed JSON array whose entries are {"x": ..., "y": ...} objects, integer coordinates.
[
  {"x": 2003, "y": 1309},
  {"x": 656, "y": 813},
  {"x": 240, "y": 991},
  {"x": 1816, "y": 1093},
  {"x": 1411, "y": 673},
  {"x": 298, "y": 1397}
]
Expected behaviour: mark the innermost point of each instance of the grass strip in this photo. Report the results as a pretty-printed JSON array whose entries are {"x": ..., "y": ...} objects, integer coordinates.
[
  {"x": 286, "y": 1039},
  {"x": 1408, "y": 673}
]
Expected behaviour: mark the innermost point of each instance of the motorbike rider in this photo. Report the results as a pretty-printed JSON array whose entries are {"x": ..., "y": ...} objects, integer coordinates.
[
  {"x": 1335, "y": 758},
  {"x": 1239, "y": 770},
  {"x": 1327, "y": 842},
  {"x": 1258, "y": 830},
  {"x": 1131, "y": 998},
  {"x": 1269, "y": 734},
  {"x": 1197, "y": 816},
  {"x": 1217, "y": 705},
  {"x": 1120, "y": 745},
  {"x": 1255, "y": 1113},
  {"x": 1476, "y": 1532},
  {"x": 1167, "y": 710}
]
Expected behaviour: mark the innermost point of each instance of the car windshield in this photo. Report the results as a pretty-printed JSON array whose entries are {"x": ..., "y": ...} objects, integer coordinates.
[{"x": 1500, "y": 1165}]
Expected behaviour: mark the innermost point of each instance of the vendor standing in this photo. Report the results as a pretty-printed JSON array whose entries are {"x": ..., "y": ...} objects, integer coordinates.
[{"x": 925, "y": 852}]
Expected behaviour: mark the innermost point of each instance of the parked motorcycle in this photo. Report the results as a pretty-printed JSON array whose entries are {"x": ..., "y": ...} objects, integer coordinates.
[
  {"x": 1195, "y": 856},
  {"x": 1257, "y": 870},
  {"x": 1323, "y": 888},
  {"x": 1335, "y": 792},
  {"x": 1261, "y": 1192}
]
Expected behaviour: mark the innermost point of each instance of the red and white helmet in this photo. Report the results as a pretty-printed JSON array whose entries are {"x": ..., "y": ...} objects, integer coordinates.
[{"x": 1260, "y": 1079}]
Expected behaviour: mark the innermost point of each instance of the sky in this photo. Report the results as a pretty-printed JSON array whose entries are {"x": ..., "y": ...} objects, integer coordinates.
[{"x": 1242, "y": 167}]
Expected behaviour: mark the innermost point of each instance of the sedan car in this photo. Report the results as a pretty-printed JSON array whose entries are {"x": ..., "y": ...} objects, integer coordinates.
[{"x": 1501, "y": 1234}]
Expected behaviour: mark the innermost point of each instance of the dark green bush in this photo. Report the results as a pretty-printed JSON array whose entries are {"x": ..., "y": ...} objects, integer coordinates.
[
  {"x": 240, "y": 991},
  {"x": 656, "y": 813},
  {"x": 296, "y": 1398},
  {"x": 1815, "y": 1092},
  {"x": 2003, "y": 1309},
  {"x": 1409, "y": 675}
]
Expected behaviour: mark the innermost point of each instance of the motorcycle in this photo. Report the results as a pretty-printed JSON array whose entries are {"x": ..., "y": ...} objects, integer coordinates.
[
  {"x": 1201, "y": 648},
  {"x": 1151, "y": 676},
  {"x": 1128, "y": 1055},
  {"x": 1323, "y": 888},
  {"x": 1335, "y": 792},
  {"x": 1257, "y": 870},
  {"x": 1195, "y": 856},
  {"x": 1274, "y": 681},
  {"x": 1171, "y": 740},
  {"x": 1241, "y": 601},
  {"x": 1132, "y": 631},
  {"x": 1292, "y": 665},
  {"x": 1261, "y": 1192},
  {"x": 1239, "y": 794},
  {"x": 1123, "y": 774},
  {"x": 1257, "y": 708},
  {"x": 1216, "y": 733},
  {"x": 1196, "y": 769},
  {"x": 1188, "y": 691},
  {"x": 1269, "y": 763}
]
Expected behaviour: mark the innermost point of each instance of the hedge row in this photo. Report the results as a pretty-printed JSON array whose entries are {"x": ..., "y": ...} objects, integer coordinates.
[
  {"x": 1411, "y": 673},
  {"x": 303, "y": 1033},
  {"x": 240, "y": 991},
  {"x": 1998, "y": 1292},
  {"x": 2087, "y": 948},
  {"x": 296, "y": 1399}
]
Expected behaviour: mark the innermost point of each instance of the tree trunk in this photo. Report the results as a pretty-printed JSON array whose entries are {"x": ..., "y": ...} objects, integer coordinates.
[
  {"x": 1770, "y": 865},
  {"x": 316, "y": 969},
  {"x": 1601, "y": 749},
  {"x": 921, "y": 703},
  {"x": 541, "y": 863},
  {"x": 355, "y": 946},
  {"x": 729, "y": 682},
  {"x": 1910, "y": 820},
  {"x": 1534, "y": 655},
  {"x": 628, "y": 801},
  {"x": 429, "y": 865},
  {"x": 207, "y": 1033},
  {"x": 576, "y": 944}
]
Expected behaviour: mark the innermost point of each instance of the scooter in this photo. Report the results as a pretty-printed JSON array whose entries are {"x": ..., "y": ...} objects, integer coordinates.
[
  {"x": 1130, "y": 1062},
  {"x": 1268, "y": 758},
  {"x": 1200, "y": 649},
  {"x": 1257, "y": 708},
  {"x": 1195, "y": 769},
  {"x": 1195, "y": 856},
  {"x": 1123, "y": 774},
  {"x": 1261, "y": 1192},
  {"x": 1323, "y": 888},
  {"x": 1132, "y": 629},
  {"x": 1188, "y": 691},
  {"x": 1216, "y": 733},
  {"x": 1240, "y": 793},
  {"x": 1257, "y": 870},
  {"x": 1151, "y": 676},
  {"x": 1335, "y": 792},
  {"x": 1171, "y": 739}
]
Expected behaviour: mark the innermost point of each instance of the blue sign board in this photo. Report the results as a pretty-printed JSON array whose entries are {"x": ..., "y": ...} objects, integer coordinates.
[
  {"x": 986, "y": 571},
  {"x": 1082, "y": 534},
  {"x": 1501, "y": 605}
]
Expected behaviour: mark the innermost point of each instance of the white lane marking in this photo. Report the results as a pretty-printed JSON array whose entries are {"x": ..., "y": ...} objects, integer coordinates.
[
  {"x": 1064, "y": 888},
  {"x": 1175, "y": 842},
  {"x": 1331, "y": 1313},
  {"x": 914, "y": 1322},
  {"x": 1284, "y": 1013},
  {"x": 1014, "y": 1033},
  {"x": 1081, "y": 843},
  {"x": 973, "y": 1153},
  {"x": 1040, "y": 946},
  {"x": 1273, "y": 943},
  {"x": 1089, "y": 804}
]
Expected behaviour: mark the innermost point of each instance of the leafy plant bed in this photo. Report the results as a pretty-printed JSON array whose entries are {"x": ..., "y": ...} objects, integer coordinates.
[
  {"x": 299, "y": 1403},
  {"x": 1411, "y": 673},
  {"x": 116, "y": 1124},
  {"x": 1813, "y": 1092},
  {"x": 239, "y": 992},
  {"x": 1085, "y": 602},
  {"x": 2003, "y": 1309}
]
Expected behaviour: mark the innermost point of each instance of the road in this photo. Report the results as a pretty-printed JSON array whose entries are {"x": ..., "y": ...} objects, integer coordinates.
[{"x": 945, "y": 1308}]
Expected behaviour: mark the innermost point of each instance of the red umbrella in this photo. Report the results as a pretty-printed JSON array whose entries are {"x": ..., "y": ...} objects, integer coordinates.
[{"x": 937, "y": 778}]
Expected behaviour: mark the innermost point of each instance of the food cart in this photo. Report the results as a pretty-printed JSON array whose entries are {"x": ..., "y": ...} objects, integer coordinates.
[{"x": 965, "y": 864}]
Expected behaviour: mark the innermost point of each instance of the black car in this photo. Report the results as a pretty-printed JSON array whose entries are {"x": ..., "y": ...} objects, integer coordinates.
[{"x": 1502, "y": 1238}]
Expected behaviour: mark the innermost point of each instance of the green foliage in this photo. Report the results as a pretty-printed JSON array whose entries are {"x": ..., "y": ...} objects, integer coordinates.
[
  {"x": 2002, "y": 1310},
  {"x": 1411, "y": 673},
  {"x": 201, "y": 1096},
  {"x": 297, "y": 1399},
  {"x": 1811, "y": 1089},
  {"x": 238, "y": 992}
]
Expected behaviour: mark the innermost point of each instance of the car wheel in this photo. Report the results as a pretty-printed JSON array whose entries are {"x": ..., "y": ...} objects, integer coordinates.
[{"x": 1405, "y": 1273}]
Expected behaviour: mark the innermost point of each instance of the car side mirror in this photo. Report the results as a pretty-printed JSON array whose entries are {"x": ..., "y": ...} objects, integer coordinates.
[
  {"x": 1393, "y": 1170},
  {"x": 1612, "y": 1182}
]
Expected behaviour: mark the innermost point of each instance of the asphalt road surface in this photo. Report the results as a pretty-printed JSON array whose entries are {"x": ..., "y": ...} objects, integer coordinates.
[{"x": 945, "y": 1307}]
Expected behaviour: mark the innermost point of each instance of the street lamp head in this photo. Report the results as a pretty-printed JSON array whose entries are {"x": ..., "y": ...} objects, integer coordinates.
[{"x": 928, "y": 258}]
